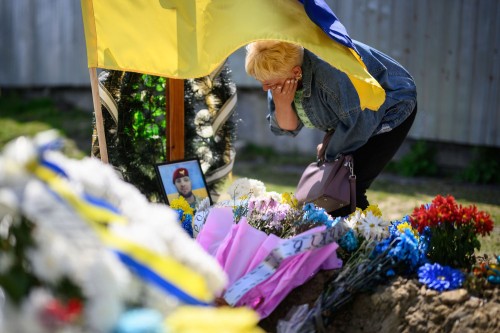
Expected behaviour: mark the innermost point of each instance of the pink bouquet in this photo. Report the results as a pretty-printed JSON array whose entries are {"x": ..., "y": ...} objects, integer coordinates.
[{"x": 268, "y": 247}]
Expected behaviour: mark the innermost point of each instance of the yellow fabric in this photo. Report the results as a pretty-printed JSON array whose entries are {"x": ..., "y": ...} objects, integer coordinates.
[
  {"x": 190, "y": 319},
  {"x": 191, "y": 38}
]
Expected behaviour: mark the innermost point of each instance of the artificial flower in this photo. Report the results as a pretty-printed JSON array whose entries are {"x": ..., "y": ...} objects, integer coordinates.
[{"x": 439, "y": 277}]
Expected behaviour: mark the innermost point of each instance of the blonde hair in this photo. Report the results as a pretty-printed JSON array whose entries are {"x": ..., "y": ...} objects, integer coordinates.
[{"x": 267, "y": 59}]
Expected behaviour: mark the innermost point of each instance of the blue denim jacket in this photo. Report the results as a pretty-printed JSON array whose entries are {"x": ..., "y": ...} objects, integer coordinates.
[{"x": 332, "y": 103}]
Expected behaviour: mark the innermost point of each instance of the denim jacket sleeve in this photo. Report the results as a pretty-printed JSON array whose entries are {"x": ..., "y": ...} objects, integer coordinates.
[{"x": 273, "y": 123}]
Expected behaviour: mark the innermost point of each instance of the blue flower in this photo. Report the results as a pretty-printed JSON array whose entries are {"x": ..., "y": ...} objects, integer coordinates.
[
  {"x": 188, "y": 226},
  {"x": 406, "y": 249},
  {"x": 314, "y": 214},
  {"x": 439, "y": 277},
  {"x": 381, "y": 247},
  {"x": 423, "y": 245},
  {"x": 180, "y": 214},
  {"x": 349, "y": 241},
  {"x": 393, "y": 228}
]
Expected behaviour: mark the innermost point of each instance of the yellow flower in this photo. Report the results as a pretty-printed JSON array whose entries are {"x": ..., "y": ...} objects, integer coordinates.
[
  {"x": 289, "y": 199},
  {"x": 192, "y": 319},
  {"x": 374, "y": 209},
  {"x": 405, "y": 225},
  {"x": 181, "y": 203}
]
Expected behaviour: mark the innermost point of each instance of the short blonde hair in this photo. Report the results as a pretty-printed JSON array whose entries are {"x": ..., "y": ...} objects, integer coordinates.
[{"x": 267, "y": 59}]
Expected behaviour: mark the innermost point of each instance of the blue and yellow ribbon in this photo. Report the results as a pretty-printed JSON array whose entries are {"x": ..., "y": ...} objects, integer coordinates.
[{"x": 163, "y": 271}]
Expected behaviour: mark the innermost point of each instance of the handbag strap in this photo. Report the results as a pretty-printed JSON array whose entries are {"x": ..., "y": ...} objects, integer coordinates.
[
  {"x": 326, "y": 140},
  {"x": 352, "y": 182}
]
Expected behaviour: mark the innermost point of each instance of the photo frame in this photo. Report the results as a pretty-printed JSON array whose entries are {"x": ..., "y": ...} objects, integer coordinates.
[{"x": 173, "y": 178}]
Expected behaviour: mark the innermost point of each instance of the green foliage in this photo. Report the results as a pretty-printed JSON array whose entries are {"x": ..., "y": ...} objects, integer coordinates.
[
  {"x": 138, "y": 140},
  {"x": 26, "y": 117},
  {"x": 420, "y": 161},
  {"x": 454, "y": 246},
  {"x": 484, "y": 169}
]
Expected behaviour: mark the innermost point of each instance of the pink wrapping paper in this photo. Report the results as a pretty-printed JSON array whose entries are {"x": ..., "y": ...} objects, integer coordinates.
[{"x": 239, "y": 248}]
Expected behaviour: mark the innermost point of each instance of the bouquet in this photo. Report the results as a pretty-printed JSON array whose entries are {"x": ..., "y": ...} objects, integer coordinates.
[
  {"x": 453, "y": 229},
  {"x": 267, "y": 244}
]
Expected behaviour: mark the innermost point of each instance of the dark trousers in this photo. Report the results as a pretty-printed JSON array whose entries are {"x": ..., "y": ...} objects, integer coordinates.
[{"x": 371, "y": 159}]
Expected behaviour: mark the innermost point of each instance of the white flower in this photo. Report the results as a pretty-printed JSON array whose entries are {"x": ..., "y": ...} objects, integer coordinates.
[
  {"x": 53, "y": 257},
  {"x": 354, "y": 219},
  {"x": 373, "y": 227},
  {"x": 105, "y": 285},
  {"x": 245, "y": 187},
  {"x": 205, "y": 131},
  {"x": 206, "y": 156},
  {"x": 203, "y": 116}
]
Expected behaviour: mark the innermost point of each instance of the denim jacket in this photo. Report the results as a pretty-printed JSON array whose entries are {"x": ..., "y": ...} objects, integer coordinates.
[{"x": 331, "y": 102}]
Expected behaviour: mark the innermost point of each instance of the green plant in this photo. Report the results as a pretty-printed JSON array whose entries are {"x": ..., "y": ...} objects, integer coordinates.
[
  {"x": 484, "y": 168},
  {"x": 420, "y": 161}
]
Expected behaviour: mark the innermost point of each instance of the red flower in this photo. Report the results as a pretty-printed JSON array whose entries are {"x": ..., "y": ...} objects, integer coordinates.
[
  {"x": 445, "y": 210},
  {"x": 55, "y": 313},
  {"x": 484, "y": 223}
]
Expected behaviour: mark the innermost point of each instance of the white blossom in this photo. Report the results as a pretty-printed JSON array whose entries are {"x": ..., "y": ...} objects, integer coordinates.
[
  {"x": 373, "y": 227},
  {"x": 245, "y": 187}
]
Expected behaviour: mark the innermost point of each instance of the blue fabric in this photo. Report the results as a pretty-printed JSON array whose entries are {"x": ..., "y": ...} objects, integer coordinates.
[
  {"x": 332, "y": 103},
  {"x": 320, "y": 13},
  {"x": 151, "y": 276}
]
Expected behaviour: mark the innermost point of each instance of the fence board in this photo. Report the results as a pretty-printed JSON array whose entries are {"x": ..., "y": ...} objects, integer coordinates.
[{"x": 451, "y": 47}]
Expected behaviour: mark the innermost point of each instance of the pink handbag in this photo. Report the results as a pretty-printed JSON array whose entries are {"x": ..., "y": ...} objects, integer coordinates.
[{"x": 330, "y": 185}]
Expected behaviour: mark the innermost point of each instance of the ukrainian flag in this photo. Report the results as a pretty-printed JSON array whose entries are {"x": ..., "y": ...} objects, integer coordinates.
[{"x": 191, "y": 38}]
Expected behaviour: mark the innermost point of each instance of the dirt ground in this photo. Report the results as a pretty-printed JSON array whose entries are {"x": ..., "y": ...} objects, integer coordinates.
[{"x": 403, "y": 305}]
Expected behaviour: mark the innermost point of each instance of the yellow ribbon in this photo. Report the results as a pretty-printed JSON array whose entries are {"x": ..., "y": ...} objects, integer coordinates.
[{"x": 168, "y": 268}]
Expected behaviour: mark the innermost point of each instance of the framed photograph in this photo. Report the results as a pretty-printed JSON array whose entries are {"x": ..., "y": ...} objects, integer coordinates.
[{"x": 182, "y": 178}]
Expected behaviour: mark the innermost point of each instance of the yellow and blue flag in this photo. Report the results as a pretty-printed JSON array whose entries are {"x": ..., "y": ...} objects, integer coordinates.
[{"x": 191, "y": 38}]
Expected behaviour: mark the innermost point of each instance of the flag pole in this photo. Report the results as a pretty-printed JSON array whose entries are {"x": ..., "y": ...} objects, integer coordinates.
[
  {"x": 101, "y": 135},
  {"x": 175, "y": 119}
]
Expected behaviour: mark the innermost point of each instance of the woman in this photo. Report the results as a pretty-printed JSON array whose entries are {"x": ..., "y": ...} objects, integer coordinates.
[{"x": 303, "y": 90}]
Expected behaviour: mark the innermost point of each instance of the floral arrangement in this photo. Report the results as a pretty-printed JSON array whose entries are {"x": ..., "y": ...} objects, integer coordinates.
[
  {"x": 185, "y": 213},
  {"x": 271, "y": 212},
  {"x": 378, "y": 250},
  {"x": 84, "y": 251},
  {"x": 267, "y": 244},
  {"x": 454, "y": 230}
]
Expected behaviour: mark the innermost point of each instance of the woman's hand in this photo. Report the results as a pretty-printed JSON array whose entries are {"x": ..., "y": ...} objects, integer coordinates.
[{"x": 283, "y": 95}]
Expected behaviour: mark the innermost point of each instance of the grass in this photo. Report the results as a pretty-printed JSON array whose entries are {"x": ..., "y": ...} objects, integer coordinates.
[
  {"x": 396, "y": 196},
  {"x": 23, "y": 117}
]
